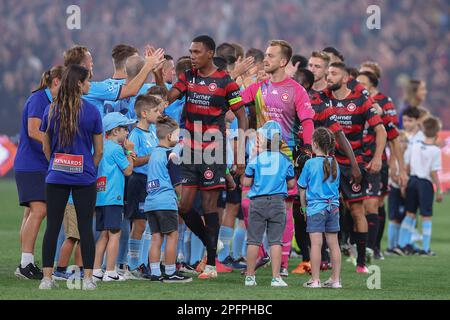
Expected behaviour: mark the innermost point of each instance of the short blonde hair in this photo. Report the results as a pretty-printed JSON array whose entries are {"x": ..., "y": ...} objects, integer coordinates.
[
  {"x": 374, "y": 66},
  {"x": 286, "y": 48}
]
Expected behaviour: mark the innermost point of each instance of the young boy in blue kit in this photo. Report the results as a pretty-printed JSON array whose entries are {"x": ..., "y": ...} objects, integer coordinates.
[
  {"x": 269, "y": 174},
  {"x": 319, "y": 197},
  {"x": 161, "y": 203},
  {"x": 147, "y": 109},
  {"x": 117, "y": 162}
]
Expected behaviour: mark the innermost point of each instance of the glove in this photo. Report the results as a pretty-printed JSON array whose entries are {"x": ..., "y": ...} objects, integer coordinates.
[{"x": 301, "y": 155}]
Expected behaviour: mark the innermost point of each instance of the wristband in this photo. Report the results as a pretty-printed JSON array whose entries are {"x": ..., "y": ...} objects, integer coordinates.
[
  {"x": 227, "y": 171},
  {"x": 128, "y": 152}
]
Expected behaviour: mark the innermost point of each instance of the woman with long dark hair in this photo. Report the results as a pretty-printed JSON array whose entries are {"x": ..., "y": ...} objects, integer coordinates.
[
  {"x": 30, "y": 169},
  {"x": 72, "y": 128}
]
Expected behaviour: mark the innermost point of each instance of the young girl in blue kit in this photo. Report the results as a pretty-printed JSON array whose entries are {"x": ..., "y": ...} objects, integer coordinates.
[{"x": 319, "y": 196}]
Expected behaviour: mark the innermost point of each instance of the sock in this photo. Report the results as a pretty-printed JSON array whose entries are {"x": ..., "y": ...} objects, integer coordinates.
[
  {"x": 238, "y": 242},
  {"x": 195, "y": 223},
  {"x": 361, "y": 242},
  {"x": 225, "y": 235},
  {"x": 146, "y": 242},
  {"x": 197, "y": 249},
  {"x": 381, "y": 225},
  {"x": 187, "y": 246},
  {"x": 393, "y": 231},
  {"x": 405, "y": 231},
  {"x": 27, "y": 258},
  {"x": 426, "y": 233},
  {"x": 170, "y": 269},
  {"x": 155, "y": 269},
  {"x": 287, "y": 238},
  {"x": 135, "y": 249},
  {"x": 180, "y": 248},
  {"x": 61, "y": 269},
  {"x": 244, "y": 246},
  {"x": 372, "y": 223},
  {"x": 123, "y": 242},
  {"x": 212, "y": 228}
]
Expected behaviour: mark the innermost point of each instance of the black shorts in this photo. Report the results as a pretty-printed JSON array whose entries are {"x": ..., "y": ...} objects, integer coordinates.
[
  {"x": 373, "y": 185},
  {"x": 396, "y": 205},
  {"x": 30, "y": 186},
  {"x": 384, "y": 179},
  {"x": 352, "y": 192},
  {"x": 136, "y": 194},
  {"x": 235, "y": 196},
  {"x": 162, "y": 221},
  {"x": 204, "y": 176},
  {"x": 240, "y": 214},
  {"x": 222, "y": 200},
  {"x": 108, "y": 217},
  {"x": 419, "y": 195}
]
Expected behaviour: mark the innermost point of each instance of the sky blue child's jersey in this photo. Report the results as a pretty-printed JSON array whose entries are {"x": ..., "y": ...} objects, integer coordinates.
[
  {"x": 162, "y": 176},
  {"x": 126, "y": 106},
  {"x": 110, "y": 177},
  {"x": 270, "y": 171},
  {"x": 144, "y": 142},
  {"x": 319, "y": 194}
]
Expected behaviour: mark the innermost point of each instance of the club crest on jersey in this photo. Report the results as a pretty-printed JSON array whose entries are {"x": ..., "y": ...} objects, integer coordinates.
[
  {"x": 285, "y": 97},
  {"x": 351, "y": 107},
  {"x": 212, "y": 87},
  {"x": 208, "y": 174},
  {"x": 356, "y": 187}
]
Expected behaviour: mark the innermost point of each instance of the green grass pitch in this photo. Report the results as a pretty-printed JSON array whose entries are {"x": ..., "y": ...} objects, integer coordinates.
[{"x": 401, "y": 277}]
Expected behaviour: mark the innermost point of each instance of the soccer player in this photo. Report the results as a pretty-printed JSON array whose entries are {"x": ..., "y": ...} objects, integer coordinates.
[
  {"x": 112, "y": 169},
  {"x": 424, "y": 162},
  {"x": 30, "y": 169},
  {"x": 101, "y": 91},
  {"x": 284, "y": 100},
  {"x": 147, "y": 109},
  {"x": 353, "y": 110},
  {"x": 324, "y": 116},
  {"x": 376, "y": 221},
  {"x": 210, "y": 93}
]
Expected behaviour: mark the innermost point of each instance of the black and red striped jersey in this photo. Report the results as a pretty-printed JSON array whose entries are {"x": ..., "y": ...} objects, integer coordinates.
[
  {"x": 207, "y": 101},
  {"x": 390, "y": 121},
  {"x": 352, "y": 114},
  {"x": 324, "y": 115},
  {"x": 357, "y": 87}
]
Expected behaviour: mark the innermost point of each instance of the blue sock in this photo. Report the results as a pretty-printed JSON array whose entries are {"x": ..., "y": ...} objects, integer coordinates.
[
  {"x": 123, "y": 242},
  {"x": 197, "y": 249},
  {"x": 187, "y": 246},
  {"x": 170, "y": 269},
  {"x": 146, "y": 241},
  {"x": 393, "y": 231},
  {"x": 244, "y": 246},
  {"x": 405, "y": 231},
  {"x": 225, "y": 235},
  {"x": 180, "y": 248},
  {"x": 155, "y": 269},
  {"x": 238, "y": 241},
  {"x": 61, "y": 238},
  {"x": 426, "y": 234},
  {"x": 135, "y": 249}
]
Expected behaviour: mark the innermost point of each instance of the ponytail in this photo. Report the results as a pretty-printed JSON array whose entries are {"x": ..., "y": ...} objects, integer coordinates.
[
  {"x": 325, "y": 140},
  {"x": 48, "y": 76}
]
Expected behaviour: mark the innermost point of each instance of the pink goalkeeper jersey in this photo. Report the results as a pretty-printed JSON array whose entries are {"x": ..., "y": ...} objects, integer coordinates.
[{"x": 286, "y": 102}]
